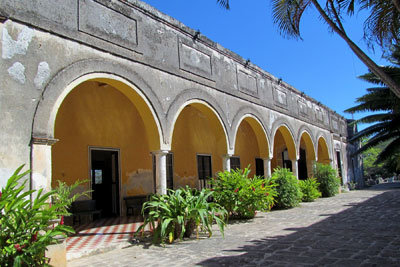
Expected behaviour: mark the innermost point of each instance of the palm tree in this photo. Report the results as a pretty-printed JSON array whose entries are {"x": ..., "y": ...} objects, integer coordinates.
[
  {"x": 383, "y": 25},
  {"x": 386, "y": 117}
]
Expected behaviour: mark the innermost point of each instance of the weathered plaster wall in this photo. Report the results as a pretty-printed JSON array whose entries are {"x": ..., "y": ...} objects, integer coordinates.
[{"x": 48, "y": 46}]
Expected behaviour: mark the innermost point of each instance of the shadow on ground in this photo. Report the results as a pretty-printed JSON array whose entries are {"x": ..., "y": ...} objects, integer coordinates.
[{"x": 366, "y": 234}]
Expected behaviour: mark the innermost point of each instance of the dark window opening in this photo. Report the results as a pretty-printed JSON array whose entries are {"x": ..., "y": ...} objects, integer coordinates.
[
  {"x": 235, "y": 163},
  {"x": 204, "y": 166},
  {"x": 170, "y": 171},
  {"x": 302, "y": 165},
  {"x": 259, "y": 167},
  {"x": 204, "y": 169}
]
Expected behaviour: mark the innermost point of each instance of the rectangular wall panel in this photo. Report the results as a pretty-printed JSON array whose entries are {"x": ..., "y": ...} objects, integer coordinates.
[
  {"x": 194, "y": 61},
  {"x": 107, "y": 24}
]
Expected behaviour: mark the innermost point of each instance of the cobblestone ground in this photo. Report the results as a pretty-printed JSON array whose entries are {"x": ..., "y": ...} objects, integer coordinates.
[{"x": 358, "y": 228}]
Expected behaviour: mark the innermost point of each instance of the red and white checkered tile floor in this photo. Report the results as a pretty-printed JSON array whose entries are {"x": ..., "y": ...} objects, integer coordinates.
[{"x": 101, "y": 235}]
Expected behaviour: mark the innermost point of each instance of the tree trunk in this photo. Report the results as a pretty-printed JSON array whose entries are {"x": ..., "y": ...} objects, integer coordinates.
[{"x": 373, "y": 67}]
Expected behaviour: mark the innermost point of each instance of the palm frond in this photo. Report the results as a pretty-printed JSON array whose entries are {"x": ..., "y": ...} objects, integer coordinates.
[
  {"x": 224, "y": 4},
  {"x": 383, "y": 24},
  {"x": 287, "y": 15},
  {"x": 392, "y": 71},
  {"x": 370, "y": 131},
  {"x": 391, "y": 149},
  {"x": 378, "y": 139},
  {"x": 382, "y": 117}
]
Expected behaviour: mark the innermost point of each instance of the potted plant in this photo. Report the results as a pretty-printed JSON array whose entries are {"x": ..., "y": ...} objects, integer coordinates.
[{"x": 176, "y": 214}]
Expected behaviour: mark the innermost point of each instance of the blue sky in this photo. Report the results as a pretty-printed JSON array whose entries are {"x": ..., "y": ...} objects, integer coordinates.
[{"x": 321, "y": 65}]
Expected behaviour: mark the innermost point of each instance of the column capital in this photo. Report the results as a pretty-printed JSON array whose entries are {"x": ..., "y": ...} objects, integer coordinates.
[
  {"x": 44, "y": 141},
  {"x": 160, "y": 152}
]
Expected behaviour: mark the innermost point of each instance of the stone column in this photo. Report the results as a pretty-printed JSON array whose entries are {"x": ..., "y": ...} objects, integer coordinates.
[
  {"x": 161, "y": 171},
  {"x": 226, "y": 162},
  {"x": 41, "y": 164},
  {"x": 267, "y": 167},
  {"x": 295, "y": 168}
]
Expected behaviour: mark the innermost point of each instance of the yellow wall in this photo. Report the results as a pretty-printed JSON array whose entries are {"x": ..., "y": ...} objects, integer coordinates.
[
  {"x": 279, "y": 145},
  {"x": 101, "y": 116},
  {"x": 307, "y": 145},
  {"x": 323, "y": 155},
  {"x": 196, "y": 132},
  {"x": 246, "y": 146}
]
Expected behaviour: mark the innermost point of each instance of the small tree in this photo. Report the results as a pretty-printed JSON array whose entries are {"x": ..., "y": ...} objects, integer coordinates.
[
  {"x": 328, "y": 180},
  {"x": 241, "y": 195},
  {"x": 309, "y": 189},
  {"x": 288, "y": 189}
]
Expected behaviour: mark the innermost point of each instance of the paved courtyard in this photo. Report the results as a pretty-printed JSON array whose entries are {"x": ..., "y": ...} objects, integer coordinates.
[{"x": 358, "y": 228}]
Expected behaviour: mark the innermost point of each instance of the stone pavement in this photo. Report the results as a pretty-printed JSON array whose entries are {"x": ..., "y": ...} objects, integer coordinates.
[{"x": 358, "y": 228}]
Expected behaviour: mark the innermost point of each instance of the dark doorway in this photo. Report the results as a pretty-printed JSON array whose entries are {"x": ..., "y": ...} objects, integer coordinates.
[
  {"x": 105, "y": 181},
  {"x": 339, "y": 166},
  {"x": 303, "y": 165}
]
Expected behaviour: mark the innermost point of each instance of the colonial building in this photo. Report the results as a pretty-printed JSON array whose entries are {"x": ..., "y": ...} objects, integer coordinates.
[{"x": 133, "y": 100}]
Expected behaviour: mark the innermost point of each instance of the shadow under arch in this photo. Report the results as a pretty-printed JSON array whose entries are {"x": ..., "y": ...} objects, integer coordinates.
[{"x": 106, "y": 72}]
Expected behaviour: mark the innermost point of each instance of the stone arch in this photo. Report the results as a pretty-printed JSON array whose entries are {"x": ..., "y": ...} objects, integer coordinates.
[
  {"x": 306, "y": 153},
  {"x": 251, "y": 144},
  {"x": 258, "y": 128},
  {"x": 304, "y": 130},
  {"x": 283, "y": 146},
  {"x": 67, "y": 79},
  {"x": 323, "y": 155},
  {"x": 289, "y": 136},
  {"x": 248, "y": 111},
  {"x": 198, "y": 142},
  {"x": 104, "y": 74},
  {"x": 191, "y": 96}
]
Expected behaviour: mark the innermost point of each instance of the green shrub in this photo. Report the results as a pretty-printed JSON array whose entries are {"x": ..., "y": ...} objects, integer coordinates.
[
  {"x": 289, "y": 194},
  {"x": 25, "y": 229},
  {"x": 242, "y": 196},
  {"x": 175, "y": 215},
  {"x": 309, "y": 189},
  {"x": 327, "y": 178}
]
